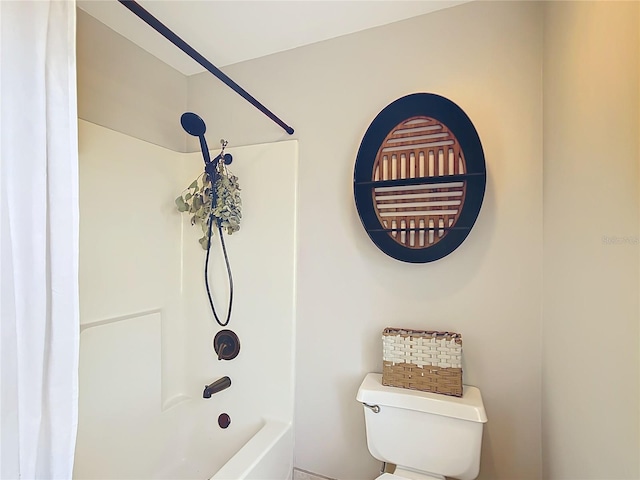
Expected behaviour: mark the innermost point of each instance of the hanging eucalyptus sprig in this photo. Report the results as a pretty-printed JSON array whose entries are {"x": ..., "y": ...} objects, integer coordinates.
[
  {"x": 228, "y": 207},
  {"x": 196, "y": 200}
]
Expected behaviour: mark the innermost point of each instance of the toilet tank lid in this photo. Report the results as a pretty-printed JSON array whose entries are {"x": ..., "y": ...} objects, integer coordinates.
[{"x": 468, "y": 407}]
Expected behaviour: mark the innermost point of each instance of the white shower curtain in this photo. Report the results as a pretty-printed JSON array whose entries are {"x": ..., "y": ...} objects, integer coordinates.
[{"x": 39, "y": 317}]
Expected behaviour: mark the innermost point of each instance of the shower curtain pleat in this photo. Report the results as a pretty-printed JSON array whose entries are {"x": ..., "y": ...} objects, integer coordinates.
[{"x": 39, "y": 311}]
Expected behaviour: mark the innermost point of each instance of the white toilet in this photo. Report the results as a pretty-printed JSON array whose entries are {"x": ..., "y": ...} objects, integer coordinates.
[{"x": 426, "y": 435}]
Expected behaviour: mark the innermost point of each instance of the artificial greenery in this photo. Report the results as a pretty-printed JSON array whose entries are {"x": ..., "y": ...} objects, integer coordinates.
[{"x": 227, "y": 211}]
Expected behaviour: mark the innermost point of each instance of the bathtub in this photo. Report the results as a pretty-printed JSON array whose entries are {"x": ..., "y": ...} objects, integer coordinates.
[
  {"x": 125, "y": 432},
  {"x": 122, "y": 436},
  {"x": 267, "y": 455}
]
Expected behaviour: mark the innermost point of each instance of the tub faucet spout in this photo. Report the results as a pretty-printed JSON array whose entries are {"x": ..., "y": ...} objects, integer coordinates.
[{"x": 215, "y": 387}]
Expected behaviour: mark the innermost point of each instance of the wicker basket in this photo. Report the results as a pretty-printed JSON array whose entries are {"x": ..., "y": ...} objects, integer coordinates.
[{"x": 422, "y": 360}]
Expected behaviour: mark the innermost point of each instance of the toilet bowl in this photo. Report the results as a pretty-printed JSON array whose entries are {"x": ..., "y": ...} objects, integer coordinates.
[{"x": 426, "y": 435}]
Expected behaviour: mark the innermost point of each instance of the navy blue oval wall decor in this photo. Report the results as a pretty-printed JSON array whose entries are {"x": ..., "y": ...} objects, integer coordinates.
[{"x": 419, "y": 178}]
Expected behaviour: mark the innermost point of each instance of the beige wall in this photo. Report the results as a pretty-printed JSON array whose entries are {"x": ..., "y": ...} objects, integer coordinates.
[
  {"x": 557, "y": 409},
  {"x": 122, "y": 87},
  {"x": 590, "y": 316},
  {"x": 486, "y": 57}
]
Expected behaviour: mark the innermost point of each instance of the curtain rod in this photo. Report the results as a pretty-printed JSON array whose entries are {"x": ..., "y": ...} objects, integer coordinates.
[{"x": 163, "y": 30}]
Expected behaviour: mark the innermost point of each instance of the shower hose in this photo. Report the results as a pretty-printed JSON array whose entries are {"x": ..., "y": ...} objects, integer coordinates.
[{"x": 206, "y": 270}]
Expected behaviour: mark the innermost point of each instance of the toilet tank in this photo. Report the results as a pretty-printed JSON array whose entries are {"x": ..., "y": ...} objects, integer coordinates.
[{"x": 423, "y": 431}]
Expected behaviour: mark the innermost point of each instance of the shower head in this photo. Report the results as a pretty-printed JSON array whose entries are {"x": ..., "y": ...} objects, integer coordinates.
[{"x": 193, "y": 124}]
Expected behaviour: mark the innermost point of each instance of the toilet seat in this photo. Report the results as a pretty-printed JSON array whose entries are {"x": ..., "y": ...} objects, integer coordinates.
[{"x": 391, "y": 476}]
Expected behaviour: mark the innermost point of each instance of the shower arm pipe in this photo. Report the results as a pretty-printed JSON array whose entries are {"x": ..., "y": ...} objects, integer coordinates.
[{"x": 163, "y": 30}]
